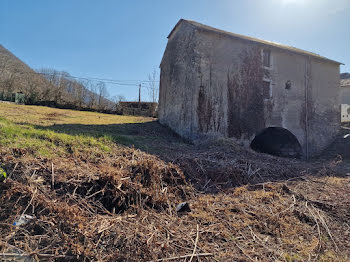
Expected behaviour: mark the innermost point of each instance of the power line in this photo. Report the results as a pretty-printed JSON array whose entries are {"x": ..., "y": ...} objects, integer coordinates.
[
  {"x": 109, "y": 81},
  {"x": 60, "y": 75},
  {"x": 114, "y": 80}
]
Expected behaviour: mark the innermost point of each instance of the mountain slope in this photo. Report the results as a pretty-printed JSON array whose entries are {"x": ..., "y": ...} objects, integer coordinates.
[
  {"x": 16, "y": 76},
  {"x": 48, "y": 86}
]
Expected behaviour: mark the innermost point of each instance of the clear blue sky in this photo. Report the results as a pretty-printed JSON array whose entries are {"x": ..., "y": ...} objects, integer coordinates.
[{"x": 125, "y": 40}]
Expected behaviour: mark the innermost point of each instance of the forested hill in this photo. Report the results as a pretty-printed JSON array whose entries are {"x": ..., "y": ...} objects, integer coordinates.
[{"x": 49, "y": 86}]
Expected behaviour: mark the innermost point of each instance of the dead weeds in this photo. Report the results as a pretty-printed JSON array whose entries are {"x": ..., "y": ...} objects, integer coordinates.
[
  {"x": 121, "y": 207},
  {"x": 120, "y": 204}
]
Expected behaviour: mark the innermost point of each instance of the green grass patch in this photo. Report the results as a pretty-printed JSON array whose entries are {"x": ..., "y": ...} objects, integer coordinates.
[
  {"x": 48, "y": 131},
  {"x": 49, "y": 143}
]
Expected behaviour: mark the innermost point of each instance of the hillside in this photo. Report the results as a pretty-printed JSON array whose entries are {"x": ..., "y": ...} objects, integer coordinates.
[
  {"x": 16, "y": 76},
  {"x": 48, "y": 86},
  {"x": 103, "y": 187}
]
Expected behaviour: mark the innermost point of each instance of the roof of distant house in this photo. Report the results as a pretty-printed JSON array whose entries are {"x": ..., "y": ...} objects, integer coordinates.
[
  {"x": 252, "y": 39},
  {"x": 345, "y": 76}
]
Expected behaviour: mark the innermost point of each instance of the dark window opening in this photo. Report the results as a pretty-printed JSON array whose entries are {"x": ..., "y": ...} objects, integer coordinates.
[
  {"x": 266, "y": 55},
  {"x": 277, "y": 141},
  {"x": 266, "y": 90},
  {"x": 288, "y": 84}
]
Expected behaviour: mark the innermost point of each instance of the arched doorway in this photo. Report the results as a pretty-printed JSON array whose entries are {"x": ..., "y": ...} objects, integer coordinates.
[{"x": 277, "y": 141}]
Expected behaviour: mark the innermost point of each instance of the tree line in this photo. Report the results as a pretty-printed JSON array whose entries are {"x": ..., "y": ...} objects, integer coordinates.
[
  {"x": 63, "y": 89},
  {"x": 48, "y": 86},
  {"x": 51, "y": 87}
]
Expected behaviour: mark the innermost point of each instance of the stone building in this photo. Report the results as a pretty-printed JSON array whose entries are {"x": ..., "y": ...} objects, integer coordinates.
[
  {"x": 219, "y": 84},
  {"x": 345, "y": 99},
  {"x": 345, "y": 91},
  {"x": 138, "y": 108}
]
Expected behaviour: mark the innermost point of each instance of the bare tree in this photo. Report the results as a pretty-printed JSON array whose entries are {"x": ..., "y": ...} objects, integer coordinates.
[
  {"x": 58, "y": 82},
  {"x": 63, "y": 89},
  {"x": 91, "y": 96},
  {"x": 32, "y": 90},
  {"x": 153, "y": 85},
  {"x": 118, "y": 98},
  {"x": 8, "y": 77},
  {"x": 49, "y": 90},
  {"x": 102, "y": 95},
  {"x": 79, "y": 93}
]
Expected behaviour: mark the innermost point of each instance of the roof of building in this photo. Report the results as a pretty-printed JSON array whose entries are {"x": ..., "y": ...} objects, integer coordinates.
[
  {"x": 345, "y": 82},
  {"x": 252, "y": 39}
]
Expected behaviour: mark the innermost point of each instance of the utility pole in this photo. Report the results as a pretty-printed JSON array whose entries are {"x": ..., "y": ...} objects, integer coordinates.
[{"x": 139, "y": 93}]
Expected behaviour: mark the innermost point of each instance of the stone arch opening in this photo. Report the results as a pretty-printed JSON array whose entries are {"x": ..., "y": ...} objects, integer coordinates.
[{"x": 277, "y": 141}]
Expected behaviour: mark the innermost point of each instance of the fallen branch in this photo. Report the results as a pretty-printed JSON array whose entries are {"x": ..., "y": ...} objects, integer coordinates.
[
  {"x": 29, "y": 255},
  {"x": 195, "y": 244},
  {"x": 184, "y": 256},
  {"x": 30, "y": 202},
  {"x": 52, "y": 176}
]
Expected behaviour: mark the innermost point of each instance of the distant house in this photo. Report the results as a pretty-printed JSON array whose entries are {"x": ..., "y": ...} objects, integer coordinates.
[
  {"x": 345, "y": 76},
  {"x": 345, "y": 91},
  {"x": 138, "y": 108},
  {"x": 216, "y": 83},
  {"x": 345, "y": 99},
  {"x": 16, "y": 97},
  {"x": 19, "y": 98}
]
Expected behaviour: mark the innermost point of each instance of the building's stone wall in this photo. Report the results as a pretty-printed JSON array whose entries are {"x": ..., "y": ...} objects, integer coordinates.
[
  {"x": 176, "y": 82},
  {"x": 324, "y": 104}
]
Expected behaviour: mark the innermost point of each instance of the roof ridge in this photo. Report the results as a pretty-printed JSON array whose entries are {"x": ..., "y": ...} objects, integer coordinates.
[{"x": 253, "y": 39}]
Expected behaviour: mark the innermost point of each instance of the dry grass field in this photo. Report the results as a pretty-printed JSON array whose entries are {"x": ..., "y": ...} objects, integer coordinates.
[
  {"x": 104, "y": 187},
  {"x": 44, "y": 130}
]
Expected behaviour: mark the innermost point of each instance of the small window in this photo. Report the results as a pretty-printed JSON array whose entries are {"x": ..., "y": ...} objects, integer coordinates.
[
  {"x": 266, "y": 90},
  {"x": 266, "y": 58},
  {"x": 288, "y": 84}
]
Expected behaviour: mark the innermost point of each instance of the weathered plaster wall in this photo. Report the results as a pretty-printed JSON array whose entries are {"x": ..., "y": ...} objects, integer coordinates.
[
  {"x": 288, "y": 105},
  {"x": 211, "y": 86},
  {"x": 227, "y": 95},
  {"x": 177, "y": 76},
  {"x": 324, "y": 104}
]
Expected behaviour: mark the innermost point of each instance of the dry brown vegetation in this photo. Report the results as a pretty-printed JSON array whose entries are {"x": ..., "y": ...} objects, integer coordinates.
[{"x": 119, "y": 203}]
